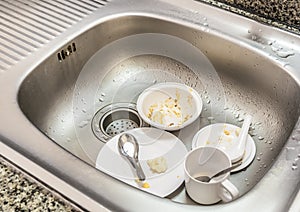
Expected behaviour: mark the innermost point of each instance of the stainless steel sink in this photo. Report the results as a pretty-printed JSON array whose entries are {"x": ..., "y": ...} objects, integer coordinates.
[{"x": 62, "y": 101}]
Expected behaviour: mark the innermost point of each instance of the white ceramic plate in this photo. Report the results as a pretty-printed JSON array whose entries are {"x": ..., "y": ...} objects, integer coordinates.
[
  {"x": 225, "y": 137},
  {"x": 153, "y": 143},
  {"x": 169, "y": 106}
]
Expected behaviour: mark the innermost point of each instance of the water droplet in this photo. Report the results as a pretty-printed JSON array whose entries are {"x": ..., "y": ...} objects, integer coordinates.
[
  {"x": 252, "y": 133},
  {"x": 240, "y": 119},
  {"x": 291, "y": 153},
  {"x": 210, "y": 118},
  {"x": 208, "y": 101},
  {"x": 260, "y": 138},
  {"x": 295, "y": 164},
  {"x": 226, "y": 108},
  {"x": 101, "y": 100},
  {"x": 254, "y": 37},
  {"x": 205, "y": 109},
  {"x": 246, "y": 179},
  {"x": 258, "y": 123},
  {"x": 62, "y": 120},
  {"x": 103, "y": 94},
  {"x": 258, "y": 158},
  {"x": 83, "y": 110},
  {"x": 68, "y": 139},
  {"x": 286, "y": 64},
  {"x": 154, "y": 81},
  {"x": 206, "y": 97},
  {"x": 271, "y": 148},
  {"x": 237, "y": 116},
  {"x": 285, "y": 54},
  {"x": 83, "y": 124},
  {"x": 205, "y": 24}
]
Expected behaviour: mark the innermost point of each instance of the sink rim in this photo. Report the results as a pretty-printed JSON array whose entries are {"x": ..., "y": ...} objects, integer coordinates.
[{"x": 10, "y": 139}]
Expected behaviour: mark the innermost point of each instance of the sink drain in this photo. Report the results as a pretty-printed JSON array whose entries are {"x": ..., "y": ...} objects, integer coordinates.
[{"x": 114, "y": 119}]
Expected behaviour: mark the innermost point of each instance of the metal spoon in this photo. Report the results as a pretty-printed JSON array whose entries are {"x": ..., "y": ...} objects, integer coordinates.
[
  {"x": 207, "y": 178},
  {"x": 129, "y": 148}
]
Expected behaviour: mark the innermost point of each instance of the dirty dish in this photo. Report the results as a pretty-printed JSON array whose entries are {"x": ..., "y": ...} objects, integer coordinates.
[
  {"x": 225, "y": 137},
  {"x": 169, "y": 106},
  {"x": 153, "y": 143},
  {"x": 208, "y": 161}
]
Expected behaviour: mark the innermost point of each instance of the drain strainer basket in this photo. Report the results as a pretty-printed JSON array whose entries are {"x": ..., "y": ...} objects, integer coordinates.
[{"x": 114, "y": 119}]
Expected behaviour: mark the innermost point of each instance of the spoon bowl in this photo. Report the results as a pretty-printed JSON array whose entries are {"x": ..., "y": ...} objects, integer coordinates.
[{"x": 129, "y": 148}]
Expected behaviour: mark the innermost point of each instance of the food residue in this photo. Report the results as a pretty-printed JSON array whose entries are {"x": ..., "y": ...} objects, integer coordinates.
[
  {"x": 168, "y": 112},
  {"x": 158, "y": 165},
  {"x": 226, "y": 132},
  {"x": 142, "y": 184},
  {"x": 237, "y": 132},
  {"x": 146, "y": 185}
]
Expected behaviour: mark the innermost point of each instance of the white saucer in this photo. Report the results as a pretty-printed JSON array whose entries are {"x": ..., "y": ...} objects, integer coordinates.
[
  {"x": 214, "y": 135},
  {"x": 153, "y": 143}
]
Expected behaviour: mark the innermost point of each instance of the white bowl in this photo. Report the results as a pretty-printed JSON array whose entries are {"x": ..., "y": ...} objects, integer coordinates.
[{"x": 169, "y": 106}]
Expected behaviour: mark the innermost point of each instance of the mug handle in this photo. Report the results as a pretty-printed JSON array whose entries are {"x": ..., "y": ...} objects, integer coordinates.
[{"x": 228, "y": 191}]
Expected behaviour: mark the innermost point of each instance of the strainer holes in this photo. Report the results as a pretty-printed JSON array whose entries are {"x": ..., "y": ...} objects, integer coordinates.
[{"x": 114, "y": 119}]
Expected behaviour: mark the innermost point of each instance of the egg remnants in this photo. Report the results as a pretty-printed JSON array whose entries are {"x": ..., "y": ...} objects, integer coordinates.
[{"x": 168, "y": 112}]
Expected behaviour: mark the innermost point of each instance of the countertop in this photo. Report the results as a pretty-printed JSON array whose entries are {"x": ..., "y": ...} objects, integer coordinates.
[{"x": 21, "y": 192}]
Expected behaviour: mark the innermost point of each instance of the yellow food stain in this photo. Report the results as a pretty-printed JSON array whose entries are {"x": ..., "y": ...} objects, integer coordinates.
[
  {"x": 146, "y": 185},
  {"x": 142, "y": 184},
  {"x": 226, "y": 132},
  {"x": 178, "y": 176},
  {"x": 229, "y": 139},
  {"x": 190, "y": 100},
  {"x": 207, "y": 142},
  {"x": 237, "y": 132}
]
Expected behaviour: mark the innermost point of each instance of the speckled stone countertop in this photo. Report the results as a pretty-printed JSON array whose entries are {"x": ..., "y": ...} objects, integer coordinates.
[
  {"x": 284, "y": 14},
  {"x": 19, "y": 192}
]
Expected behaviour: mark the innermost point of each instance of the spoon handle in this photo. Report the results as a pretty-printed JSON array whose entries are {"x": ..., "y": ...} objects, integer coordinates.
[
  {"x": 139, "y": 171},
  {"x": 137, "y": 166},
  {"x": 227, "y": 170}
]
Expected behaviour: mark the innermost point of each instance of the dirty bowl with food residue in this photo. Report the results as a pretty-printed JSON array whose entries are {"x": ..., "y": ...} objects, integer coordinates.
[{"x": 169, "y": 106}]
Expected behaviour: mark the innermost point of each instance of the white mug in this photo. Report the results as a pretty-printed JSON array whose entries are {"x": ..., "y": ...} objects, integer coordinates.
[{"x": 208, "y": 161}]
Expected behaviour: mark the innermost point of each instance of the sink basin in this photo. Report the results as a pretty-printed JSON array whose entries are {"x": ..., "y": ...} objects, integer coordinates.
[{"x": 68, "y": 102}]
